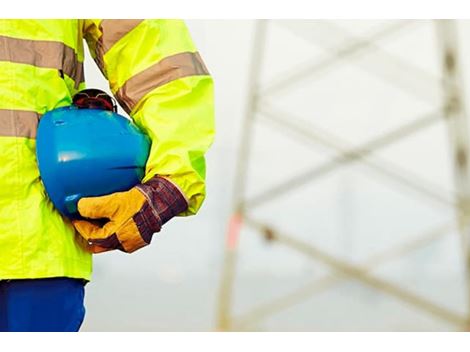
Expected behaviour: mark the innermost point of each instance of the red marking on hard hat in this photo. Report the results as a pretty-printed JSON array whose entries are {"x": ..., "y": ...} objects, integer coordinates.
[{"x": 234, "y": 231}]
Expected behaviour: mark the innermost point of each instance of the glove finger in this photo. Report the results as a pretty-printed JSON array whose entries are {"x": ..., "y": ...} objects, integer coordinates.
[
  {"x": 82, "y": 242},
  {"x": 92, "y": 248},
  {"x": 90, "y": 231},
  {"x": 111, "y": 242},
  {"x": 98, "y": 239},
  {"x": 98, "y": 249},
  {"x": 99, "y": 207}
]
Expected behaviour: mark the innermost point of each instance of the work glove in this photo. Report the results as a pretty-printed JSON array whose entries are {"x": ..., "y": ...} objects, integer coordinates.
[{"x": 130, "y": 218}]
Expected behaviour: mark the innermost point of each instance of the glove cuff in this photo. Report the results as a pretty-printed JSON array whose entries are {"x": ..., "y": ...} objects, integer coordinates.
[{"x": 164, "y": 198}]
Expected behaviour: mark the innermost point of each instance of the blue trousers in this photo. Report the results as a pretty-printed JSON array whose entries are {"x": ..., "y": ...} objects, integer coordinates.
[{"x": 54, "y": 304}]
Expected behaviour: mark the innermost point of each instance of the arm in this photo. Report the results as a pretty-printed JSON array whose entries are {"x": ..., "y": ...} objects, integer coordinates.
[{"x": 158, "y": 77}]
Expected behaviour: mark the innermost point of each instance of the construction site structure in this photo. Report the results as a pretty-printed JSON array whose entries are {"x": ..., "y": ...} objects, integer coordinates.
[{"x": 405, "y": 76}]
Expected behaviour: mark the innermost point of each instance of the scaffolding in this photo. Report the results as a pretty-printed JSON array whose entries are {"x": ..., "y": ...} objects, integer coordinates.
[{"x": 408, "y": 78}]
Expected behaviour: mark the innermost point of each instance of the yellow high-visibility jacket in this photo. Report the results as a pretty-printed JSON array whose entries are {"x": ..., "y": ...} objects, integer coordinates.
[{"x": 157, "y": 76}]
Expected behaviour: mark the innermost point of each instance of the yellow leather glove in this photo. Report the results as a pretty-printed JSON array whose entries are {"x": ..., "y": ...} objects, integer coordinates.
[{"x": 131, "y": 217}]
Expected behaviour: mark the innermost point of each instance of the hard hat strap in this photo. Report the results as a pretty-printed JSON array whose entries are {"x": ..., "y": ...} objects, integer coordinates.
[{"x": 94, "y": 99}]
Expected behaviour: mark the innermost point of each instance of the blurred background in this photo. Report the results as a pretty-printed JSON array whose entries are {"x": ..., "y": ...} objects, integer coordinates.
[{"x": 338, "y": 187}]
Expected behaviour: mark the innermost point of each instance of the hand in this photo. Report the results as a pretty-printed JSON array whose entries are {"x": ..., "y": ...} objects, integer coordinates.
[{"x": 132, "y": 216}]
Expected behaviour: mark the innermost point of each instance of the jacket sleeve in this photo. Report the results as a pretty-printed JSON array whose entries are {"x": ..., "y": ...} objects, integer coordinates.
[{"x": 160, "y": 80}]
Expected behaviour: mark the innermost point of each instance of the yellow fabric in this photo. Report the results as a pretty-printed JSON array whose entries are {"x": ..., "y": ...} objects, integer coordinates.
[
  {"x": 35, "y": 241},
  {"x": 64, "y": 31},
  {"x": 119, "y": 208},
  {"x": 163, "y": 38},
  {"x": 25, "y": 93}
]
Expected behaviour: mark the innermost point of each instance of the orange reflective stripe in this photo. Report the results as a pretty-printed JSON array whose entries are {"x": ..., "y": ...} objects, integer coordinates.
[
  {"x": 42, "y": 53},
  {"x": 167, "y": 70},
  {"x": 111, "y": 32},
  {"x": 18, "y": 123}
]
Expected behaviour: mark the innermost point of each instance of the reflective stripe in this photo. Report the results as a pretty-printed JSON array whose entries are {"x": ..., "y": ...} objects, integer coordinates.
[
  {"x": 42, "y": 53},
  {"x": 111, "y": 32},
  {"x": 18, "y": 123},
  {"x": 167, "y": 70}
]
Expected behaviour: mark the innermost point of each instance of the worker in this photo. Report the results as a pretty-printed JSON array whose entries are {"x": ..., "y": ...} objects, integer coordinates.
[{"x": 159, "y": 79}]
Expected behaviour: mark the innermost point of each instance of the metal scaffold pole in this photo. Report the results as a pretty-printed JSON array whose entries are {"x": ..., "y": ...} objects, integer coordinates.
[
  {"x": 405, "y": 76},
  {"x": 234, "y": 227},
  {"x": 456, "y": 118}
]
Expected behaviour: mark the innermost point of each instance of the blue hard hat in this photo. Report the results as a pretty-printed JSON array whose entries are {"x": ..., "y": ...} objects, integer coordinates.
[{"x": 87, "y": 153}]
